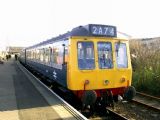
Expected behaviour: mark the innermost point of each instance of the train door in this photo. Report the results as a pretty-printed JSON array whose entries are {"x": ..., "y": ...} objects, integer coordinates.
[
  {"x": 86, "y": 64},
  {"x": 105, "y": 64},
  {"x": 122, "y": 63}
]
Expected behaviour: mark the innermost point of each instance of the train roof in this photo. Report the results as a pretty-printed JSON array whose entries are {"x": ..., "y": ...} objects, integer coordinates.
[{"x": 90, "y": 30}]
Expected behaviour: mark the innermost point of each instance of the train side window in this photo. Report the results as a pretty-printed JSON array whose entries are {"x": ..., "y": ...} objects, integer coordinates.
[
  {"x": 44, "y": 53},
  {"x": 121, "y": 55},
  {"x": 31, "y": 54},
  {"x": 58, "y": 54},
  {"x": 41, "y": 54},
  {"x": 105, "y": 55},
  {"x": 54, "y": 50},
  {"x": 47, "y": 55},
  {"x": 86, "y": 58},
  {"x": 66, "y": 51},
  {"x": 50, "y": 55},
  {"x": 66, "y": 54},
  {"x": 37, "y": 54}
]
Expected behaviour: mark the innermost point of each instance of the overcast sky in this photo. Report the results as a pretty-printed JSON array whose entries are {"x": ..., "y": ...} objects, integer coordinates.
[{"x": 26, "y": 22}]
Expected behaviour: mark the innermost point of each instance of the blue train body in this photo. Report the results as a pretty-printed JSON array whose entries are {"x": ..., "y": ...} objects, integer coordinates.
[{"x": 57, "y": 75}]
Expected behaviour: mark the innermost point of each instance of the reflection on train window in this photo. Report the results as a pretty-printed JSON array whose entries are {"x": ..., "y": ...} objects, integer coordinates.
[
  {"x": 105, "y": 55},
  {"x": 66, "y": 54},
  {"x": 41, "y": 54},
  {"x": 58, "y": 55},
  {"x": 37, "y": 55},
  {"x": 86, "y": 55},
  {"x": 46, "y": 55},
  {"x": 121, "y": 55}
]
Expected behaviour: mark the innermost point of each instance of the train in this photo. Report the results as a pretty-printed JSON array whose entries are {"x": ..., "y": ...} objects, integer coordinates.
[{"x": 90, "y": 61}]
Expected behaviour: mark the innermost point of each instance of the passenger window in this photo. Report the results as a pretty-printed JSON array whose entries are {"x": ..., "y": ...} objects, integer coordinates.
[
  {"x": 47, "y": 57},
  {"x": 58, "y": 54}
]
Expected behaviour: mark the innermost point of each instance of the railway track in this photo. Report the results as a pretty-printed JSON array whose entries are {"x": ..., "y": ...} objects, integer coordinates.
[
  {"x": 134, "y": 111},
  {"x": 116, "y": 115},
  {"x": 143, "y": 107},
  {"x": 110, "y": 115},
  {"x": 148, "y": 101},
  {"x": 150, "y": 96}
]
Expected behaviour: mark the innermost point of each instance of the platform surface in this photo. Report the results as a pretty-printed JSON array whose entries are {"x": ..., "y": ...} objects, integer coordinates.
[{"x": 23, "y": 98}]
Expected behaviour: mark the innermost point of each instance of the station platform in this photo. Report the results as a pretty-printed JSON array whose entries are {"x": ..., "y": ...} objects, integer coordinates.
[{"x": 24, "y": 98}]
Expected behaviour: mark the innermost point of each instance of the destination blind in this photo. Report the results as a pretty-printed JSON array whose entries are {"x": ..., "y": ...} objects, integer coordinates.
[{"x": 103, "y": 30}]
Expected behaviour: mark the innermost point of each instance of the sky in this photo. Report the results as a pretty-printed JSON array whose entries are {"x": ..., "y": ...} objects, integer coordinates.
[{"x": 27, "y": 22}]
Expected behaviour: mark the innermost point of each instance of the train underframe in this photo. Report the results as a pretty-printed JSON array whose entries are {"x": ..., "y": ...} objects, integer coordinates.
[{"x": 105, "y": 97}]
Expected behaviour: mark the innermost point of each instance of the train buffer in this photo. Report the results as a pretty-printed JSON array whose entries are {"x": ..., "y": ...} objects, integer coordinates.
[{"x": 22, "y": 97}]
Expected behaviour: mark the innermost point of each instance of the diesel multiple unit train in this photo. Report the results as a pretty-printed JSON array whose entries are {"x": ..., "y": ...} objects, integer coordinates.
[{"x": 90, "y": 61}]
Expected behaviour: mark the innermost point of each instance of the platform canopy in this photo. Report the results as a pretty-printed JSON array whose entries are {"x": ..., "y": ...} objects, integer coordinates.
[{"x": 13, "y": 50}]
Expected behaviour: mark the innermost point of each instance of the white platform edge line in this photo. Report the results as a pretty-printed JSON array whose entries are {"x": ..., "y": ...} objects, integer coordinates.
[{"x": 83, "y": 117}]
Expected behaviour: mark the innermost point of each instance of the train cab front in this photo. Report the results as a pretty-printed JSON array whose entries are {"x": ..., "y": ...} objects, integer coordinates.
[{"x": 100, "y": 69}]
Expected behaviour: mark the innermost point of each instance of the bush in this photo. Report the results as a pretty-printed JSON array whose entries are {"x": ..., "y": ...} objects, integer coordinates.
[{"x": 146, "y": 66}]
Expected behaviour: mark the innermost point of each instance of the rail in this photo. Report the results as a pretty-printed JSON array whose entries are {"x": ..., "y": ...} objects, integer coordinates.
[
  {"x": 147, "y": 100},
  {"x": 144, "y": 94},
  {"x": 117, "y": 115}
]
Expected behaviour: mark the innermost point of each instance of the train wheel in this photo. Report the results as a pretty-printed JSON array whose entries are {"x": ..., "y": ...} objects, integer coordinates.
[
  {"x": 111, "y": 99},
  {"x": 115, "y": 98},
  {"x": 100, "y": 105},
  {"x": 130, "y": 92}
]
